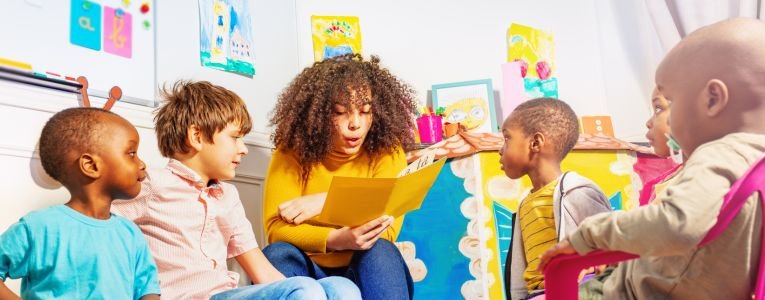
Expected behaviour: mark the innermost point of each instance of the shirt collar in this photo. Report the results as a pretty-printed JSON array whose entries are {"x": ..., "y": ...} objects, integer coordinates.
[{"x": 186, "y": 173}]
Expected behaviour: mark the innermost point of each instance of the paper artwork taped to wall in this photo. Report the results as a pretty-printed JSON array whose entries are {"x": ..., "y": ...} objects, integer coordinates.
[
  {"x": 535, "y": 50},
  {"x": 225, "y": 36},
  {"x": 335, "y": 36}
]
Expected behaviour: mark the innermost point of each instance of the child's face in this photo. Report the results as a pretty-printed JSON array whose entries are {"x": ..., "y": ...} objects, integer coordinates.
[
  {"x": 685, "y": 99},
  {"x": 658, "y": 126},
  {"x": 352, "y": 123},
  {"x": 123, "y": 170},
  {"x": 515, "y": 155},
  {"x": 221, "y": 157}
]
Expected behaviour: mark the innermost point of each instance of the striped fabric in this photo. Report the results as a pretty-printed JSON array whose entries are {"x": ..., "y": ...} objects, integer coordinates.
[
  {"x": 191, "y": 229},
  {"x": 537, "y": 231}
]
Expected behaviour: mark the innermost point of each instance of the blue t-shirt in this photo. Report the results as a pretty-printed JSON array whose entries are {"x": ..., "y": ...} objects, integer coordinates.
[{"x": 61, "y": 254}]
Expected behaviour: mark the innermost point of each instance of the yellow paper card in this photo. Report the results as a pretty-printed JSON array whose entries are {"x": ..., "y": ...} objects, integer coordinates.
[{"x": 353, "y": 201}]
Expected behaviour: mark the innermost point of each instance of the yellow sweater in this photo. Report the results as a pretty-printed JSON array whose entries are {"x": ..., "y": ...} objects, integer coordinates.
[{"x": 283, "y": 184}]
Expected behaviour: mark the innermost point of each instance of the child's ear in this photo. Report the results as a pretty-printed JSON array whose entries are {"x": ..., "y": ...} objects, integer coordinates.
[
  {"x": 194, "y": 137},
  {"x": 716, "y": 97},
  {"x": 537, "y": 142},
  {"x": 90, "y": 165}
]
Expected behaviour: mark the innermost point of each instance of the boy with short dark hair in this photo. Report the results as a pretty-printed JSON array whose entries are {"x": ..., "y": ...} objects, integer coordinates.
[
  {"x": 538, "y": 135},
  {"x": 80, "y": 250}
]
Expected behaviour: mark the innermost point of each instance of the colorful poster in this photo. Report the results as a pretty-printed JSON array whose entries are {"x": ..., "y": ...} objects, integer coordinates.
[
  {"x": 225, "y": 36},
  {"x": 118, "y": 32},
  {"x": 85, "y": 24},
  {"x": 535, "y": 50},
  {"x": 335, "y": 36}
]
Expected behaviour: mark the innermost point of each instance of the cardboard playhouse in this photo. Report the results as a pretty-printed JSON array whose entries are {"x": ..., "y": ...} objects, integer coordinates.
[{"x": 457, "y": 242}]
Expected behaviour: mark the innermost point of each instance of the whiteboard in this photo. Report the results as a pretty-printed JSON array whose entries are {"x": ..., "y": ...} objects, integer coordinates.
[{"x": 107, "y": 41}]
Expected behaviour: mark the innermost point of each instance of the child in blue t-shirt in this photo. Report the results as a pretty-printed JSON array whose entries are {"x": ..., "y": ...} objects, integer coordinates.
[{"x": 80, "y": 250}]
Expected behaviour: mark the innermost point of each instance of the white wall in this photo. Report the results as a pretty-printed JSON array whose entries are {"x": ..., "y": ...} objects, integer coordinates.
[
  {"x": 428, "y": 42},
  {"x": 275, "y": 51},
  {"x": 630, "y": 51}
]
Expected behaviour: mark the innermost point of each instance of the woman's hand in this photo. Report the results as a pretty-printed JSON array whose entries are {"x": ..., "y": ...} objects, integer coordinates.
[
  {"x": 361, "y": 237},
  {"x": 298, "y": 210}
]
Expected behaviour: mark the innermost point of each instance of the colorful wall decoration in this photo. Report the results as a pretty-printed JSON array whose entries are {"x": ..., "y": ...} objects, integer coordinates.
[
  {"x": 472, "y": 201},
  {"x": 335, "y": 36},
  {"x": 535, "y": 50},
  {"x": 225, "y": 36}
]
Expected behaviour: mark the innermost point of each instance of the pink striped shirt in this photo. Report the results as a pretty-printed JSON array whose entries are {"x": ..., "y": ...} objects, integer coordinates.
[{"x": 191, "y": 229}]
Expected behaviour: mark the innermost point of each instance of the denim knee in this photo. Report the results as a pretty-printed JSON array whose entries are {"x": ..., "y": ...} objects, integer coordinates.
[
  {"x": 281, "y": 250},
  {"x": 337, "y": 287},
  {"x": 305, "y": 288}
]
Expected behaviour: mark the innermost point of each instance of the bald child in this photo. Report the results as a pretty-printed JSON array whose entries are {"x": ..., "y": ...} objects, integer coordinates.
[{"x": 715, "y": 82}]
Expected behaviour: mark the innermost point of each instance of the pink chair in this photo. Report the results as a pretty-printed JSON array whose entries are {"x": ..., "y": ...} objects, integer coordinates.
[{"x": 562, "y": 272}]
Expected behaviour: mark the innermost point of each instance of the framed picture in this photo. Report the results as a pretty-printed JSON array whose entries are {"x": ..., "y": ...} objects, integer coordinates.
[{"x": 470, "y": 103}]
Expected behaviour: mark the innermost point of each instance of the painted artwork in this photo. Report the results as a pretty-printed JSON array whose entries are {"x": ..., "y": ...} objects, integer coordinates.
[
  {"x": 335, "y": 36},
  {"x": 534, "y": 49},
  {"x": 469, "y": 103},
  {"x": 472, "y": 201},
  {"x": 225, "y": 36}
]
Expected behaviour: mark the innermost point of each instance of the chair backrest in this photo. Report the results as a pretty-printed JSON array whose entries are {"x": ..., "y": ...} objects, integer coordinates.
[{"x": 562, "y": 272}]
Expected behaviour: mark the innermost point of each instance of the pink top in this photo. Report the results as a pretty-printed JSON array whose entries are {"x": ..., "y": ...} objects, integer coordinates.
[{"x": 191, "y": 229}]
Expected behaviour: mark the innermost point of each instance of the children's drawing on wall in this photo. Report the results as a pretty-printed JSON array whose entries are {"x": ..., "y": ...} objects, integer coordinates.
[
  {"x": 335, "y": 36},
  {"x": 535, "y": 50},
  {"x": 118, "y": 32},
  {"x": 85, "y": 24},
  {"x": 88, "y": 19},
  {"x": 225, "y": 36},
  {"x": 469, "y": 103}
]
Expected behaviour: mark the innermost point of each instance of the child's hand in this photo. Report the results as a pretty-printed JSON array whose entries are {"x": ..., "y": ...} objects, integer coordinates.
[
  {"x": 563, "y": 247},
  {"x": 361, "y": 237},
  {"x": 298, "y": 210}
]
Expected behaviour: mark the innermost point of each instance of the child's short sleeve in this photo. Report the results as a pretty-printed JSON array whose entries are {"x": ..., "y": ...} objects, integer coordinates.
[
  {"x": 15, "y": 250},
  {"x": 146, "y": 281}
]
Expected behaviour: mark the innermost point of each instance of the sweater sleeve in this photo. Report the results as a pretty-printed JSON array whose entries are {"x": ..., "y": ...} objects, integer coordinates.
[
  {"x": 283, "y": 184},
  {"x": 678, "y": 221},
  {"x": 389, "y": 166}
]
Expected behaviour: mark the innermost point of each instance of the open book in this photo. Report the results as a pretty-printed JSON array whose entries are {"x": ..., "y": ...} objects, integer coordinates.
[{"x": 353, "y": 201}]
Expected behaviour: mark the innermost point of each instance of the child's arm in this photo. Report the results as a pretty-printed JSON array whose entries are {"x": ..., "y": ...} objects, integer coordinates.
[
  {"x": 679, "y": 220},
  {"x": 257, "y": 267},
  {"x": 146, "y": 279},
  {"x": 563, "y": 247},
  {"x": 6, "y": 293},
  {"x": 15, "y": 247}
]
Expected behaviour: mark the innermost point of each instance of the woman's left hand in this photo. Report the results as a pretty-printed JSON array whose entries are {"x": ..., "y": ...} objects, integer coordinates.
[{"x": 298, "y": 210}]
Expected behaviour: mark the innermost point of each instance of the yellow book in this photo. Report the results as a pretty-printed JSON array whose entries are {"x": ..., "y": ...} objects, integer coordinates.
[{"x": 353, "y": 201}]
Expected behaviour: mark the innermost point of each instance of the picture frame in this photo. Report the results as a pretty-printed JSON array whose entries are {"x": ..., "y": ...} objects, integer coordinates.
[{"x": 470, "y": 103}]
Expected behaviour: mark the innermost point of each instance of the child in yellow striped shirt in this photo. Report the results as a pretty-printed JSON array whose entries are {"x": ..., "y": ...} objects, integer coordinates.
[{"x": 538, "y": 136}]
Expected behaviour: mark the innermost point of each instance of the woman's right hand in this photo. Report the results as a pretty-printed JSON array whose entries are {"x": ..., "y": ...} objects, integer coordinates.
[{"x": 361, "y": 237}]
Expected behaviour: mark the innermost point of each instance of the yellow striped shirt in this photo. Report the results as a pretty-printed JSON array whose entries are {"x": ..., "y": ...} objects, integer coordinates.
[{"x": 537, "y": 231}]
